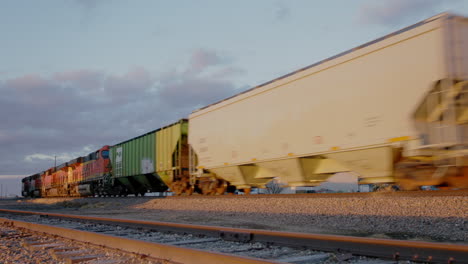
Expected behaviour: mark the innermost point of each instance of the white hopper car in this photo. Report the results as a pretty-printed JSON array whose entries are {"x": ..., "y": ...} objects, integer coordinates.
[{"x": 391, "y": 110}]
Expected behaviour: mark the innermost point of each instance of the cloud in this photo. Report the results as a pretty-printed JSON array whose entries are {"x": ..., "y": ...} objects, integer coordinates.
[
  {"x": 201, "y": 83},
  {"x": 281, "y": 12},
  {"x": 87, "y": 5},
  {"x": 87, "y": 8},
  {"x": 39, "y": 156},
  {"x": 3, "y": 136},
  {"x": 27, "y": 82},
  {"x": 61, "y": 113},
  {"x": 60, "y": 157},
  {"x": 71, "y": 113},
  {"x": 130, "y": 86},
  {"x": 85, "y": 79},
  {"x": 227, "y": 72},
  {"x": 397, "y": 12},
  {"x": 195, "y": 92},
  {"x": 12, "y": 176},
  {"x": 201, "y": 59}
]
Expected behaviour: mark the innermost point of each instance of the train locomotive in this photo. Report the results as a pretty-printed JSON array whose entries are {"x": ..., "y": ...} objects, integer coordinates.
[{"x": 394, "y": 111}]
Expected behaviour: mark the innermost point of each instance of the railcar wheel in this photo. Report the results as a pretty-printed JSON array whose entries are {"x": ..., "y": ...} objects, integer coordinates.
[
  {"x": 206, "y": 187},
  {"x": 189, "y": 190},
  {"x": 176, "y": 188},
  {"x": 412, "y": 172},
  {"x": 181, "y": 186},
  {"x": 213, "y": 186},
  {"x": 222, "y": 187},
  {"x": 231, "y": 189},
  {"x": 458, "y": 179}
]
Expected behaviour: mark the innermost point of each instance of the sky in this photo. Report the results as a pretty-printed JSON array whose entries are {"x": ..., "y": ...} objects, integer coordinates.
[{"x": 79, "y": 74}]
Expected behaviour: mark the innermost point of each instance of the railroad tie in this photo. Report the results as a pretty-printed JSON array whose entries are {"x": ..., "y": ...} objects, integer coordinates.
[
  {"x": 61, "y": 249},
  {"x": 103, "y": 261},
  {"x": 75, "y": 256},
  {"x": 13, "y": 235},
  {"x": 8, "y": 233},
  {"x": 193, "y": 241},
  {"x": 44, "y": 246},
  {"x": 78, "y": 259},
  {"x": 19, "y": 236},
  {"x": 305, "y": 259},
  {"x": 377, "y": 261},
  {"x": 68, "y": 254},
  {"x": 343, "y": 257},
  {"x": 29, "y": 243}
]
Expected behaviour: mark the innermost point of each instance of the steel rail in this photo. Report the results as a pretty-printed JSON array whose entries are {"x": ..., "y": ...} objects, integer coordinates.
[
  {"x": 373, "y": 247},
  {"x": 169, "y": 253},
  {"x": 436, "y": 193}
]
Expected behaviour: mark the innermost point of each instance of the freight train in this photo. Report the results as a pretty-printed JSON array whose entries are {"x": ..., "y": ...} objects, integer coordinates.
[{"x": 392, "y": 111}]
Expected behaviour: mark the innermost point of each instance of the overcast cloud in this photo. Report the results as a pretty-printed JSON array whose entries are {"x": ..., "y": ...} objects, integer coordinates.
[{"x": 72, "y": 113}]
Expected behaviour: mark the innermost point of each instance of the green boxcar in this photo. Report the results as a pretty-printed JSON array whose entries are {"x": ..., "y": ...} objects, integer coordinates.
[{"x": 150, "y": 161}]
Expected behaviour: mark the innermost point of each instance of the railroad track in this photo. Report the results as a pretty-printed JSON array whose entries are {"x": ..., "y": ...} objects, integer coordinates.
[
  {"x": 204, "y": 244},
  {"x": 463, "y": 192}
]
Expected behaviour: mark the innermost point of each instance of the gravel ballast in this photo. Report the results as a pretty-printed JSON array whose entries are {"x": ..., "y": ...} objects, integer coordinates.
[
  {"x": 438, "y": 218},
  {"x": 20, "y": 246}
]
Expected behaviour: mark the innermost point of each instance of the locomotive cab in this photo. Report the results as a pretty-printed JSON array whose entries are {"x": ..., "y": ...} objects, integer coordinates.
[
  {"x": 95, "y": 172},
  {"x": 25, "y": 185}
]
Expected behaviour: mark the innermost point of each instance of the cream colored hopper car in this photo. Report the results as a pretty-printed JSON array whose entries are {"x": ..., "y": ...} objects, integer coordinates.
[{"x": 388, "y": 101}]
